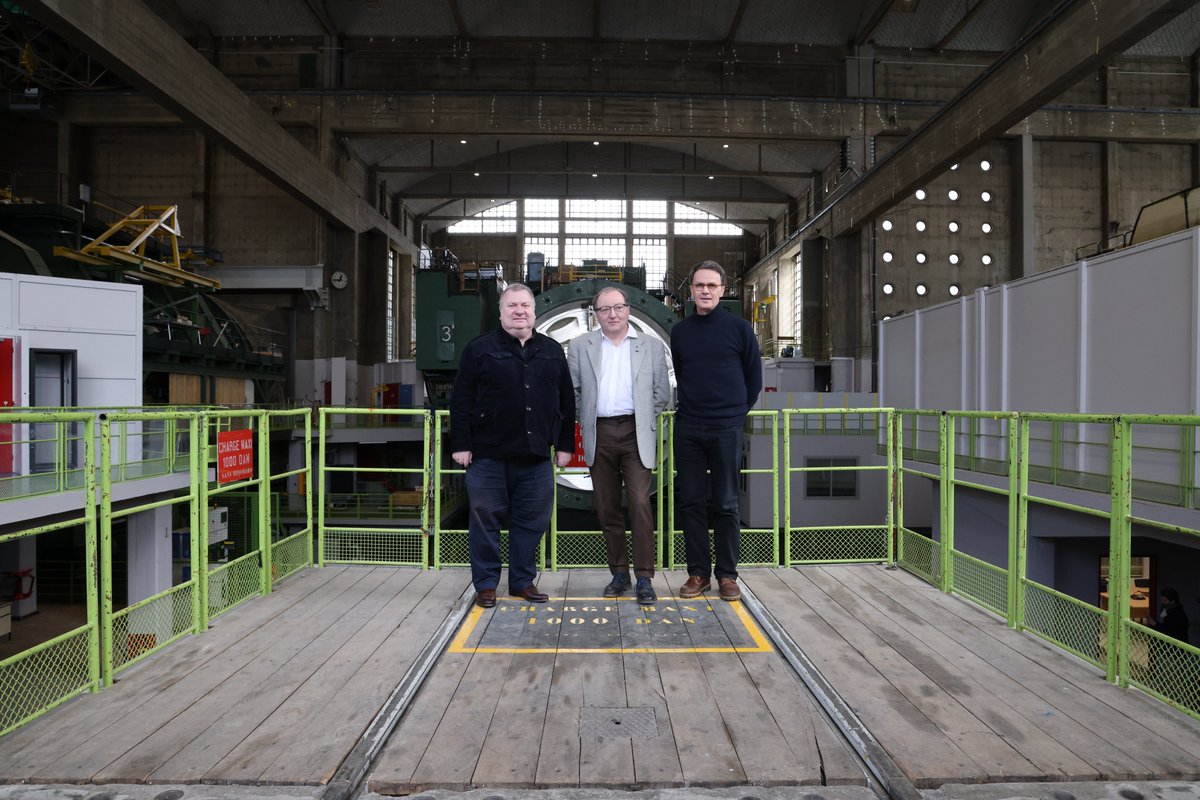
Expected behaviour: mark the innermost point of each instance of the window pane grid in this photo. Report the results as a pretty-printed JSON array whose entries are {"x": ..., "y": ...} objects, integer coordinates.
[
  {"x": 595, "y": 226},
  {"x": 546, "y": 245},
  {"x": 650, "y": 209},
  {"x": 580, "y": 249},
  {"x": 605, "y": 209},
  {"x": 541, "y": 208},
  {"x": 651, "y": 254}
]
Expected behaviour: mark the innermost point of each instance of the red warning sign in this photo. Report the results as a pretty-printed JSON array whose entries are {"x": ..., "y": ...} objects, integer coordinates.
[{"x": 235, "y": 456}]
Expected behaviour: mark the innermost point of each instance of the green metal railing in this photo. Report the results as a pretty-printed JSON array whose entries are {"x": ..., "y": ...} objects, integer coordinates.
[
  {"x": 1113, "y": 461},
  {"x": 397, "y": 544},
  {"x": 132, "y": 633},
  {"x": 862, "y": 541},
  {"x": 1116, "y": 462},
  {"x": 47, "y": 674}
]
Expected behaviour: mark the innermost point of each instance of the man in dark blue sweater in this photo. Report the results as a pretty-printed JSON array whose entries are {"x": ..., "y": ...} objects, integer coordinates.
[{"x": 719, "y": 374}]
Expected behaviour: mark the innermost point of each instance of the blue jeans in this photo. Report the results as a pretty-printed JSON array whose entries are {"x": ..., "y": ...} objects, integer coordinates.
[
  {"x": 508, "y": 492},
  {"x": 717, "y": 451}
]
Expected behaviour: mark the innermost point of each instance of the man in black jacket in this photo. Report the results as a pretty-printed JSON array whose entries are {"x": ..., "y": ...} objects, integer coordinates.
[{"x": 512, "y": 401}]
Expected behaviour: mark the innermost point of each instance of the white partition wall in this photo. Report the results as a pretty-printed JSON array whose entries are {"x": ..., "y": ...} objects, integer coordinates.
[
  {"x": 1117, "y": 334},
  {"x": 101, "y": 323}
]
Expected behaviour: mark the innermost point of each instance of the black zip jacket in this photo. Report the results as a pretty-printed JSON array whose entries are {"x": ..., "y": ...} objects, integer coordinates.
[{"x": 511, "y": 401}]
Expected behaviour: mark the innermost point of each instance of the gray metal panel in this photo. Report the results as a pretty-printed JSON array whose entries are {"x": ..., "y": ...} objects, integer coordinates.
[
  {"x": 898, "y": 370},
  {"x": 992, "y": 352},
  {"x": 1043, "y": 331},
  {"x": 1141, "y": 328},
  {"x": 940, "y": 375}
]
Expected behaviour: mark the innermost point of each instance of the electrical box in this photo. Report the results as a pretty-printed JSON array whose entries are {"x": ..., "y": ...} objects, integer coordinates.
[{"x": 218, "y": 524}]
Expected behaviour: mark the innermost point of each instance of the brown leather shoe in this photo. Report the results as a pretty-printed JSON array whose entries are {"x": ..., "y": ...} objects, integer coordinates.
[
  {"x": 728, "y": 587},
  {"x": 694, "y": 586},
  {"x": 529, "y": 593},
  {"x": 485, "y": 598}
]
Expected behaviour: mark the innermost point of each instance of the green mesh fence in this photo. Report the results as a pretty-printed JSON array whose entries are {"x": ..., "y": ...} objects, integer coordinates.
[
  {"x": 920, "y": 555},
  {"x": 1072, "y": 625},
  {"x": 230, "y": 584},
  {"x": 375, "y": 546},
  {"x": 841, "y": 544},
  {"x": 291, "y": 554},
  {"x": 756, "y": 548},
  {"x": 451, "y": 548},
  {"x": 152, "y": 624},
  {"x": 581, "y": 549},
  {"x": 37, "y": 680},
  {"x": 1164, "y": 667},
  {"x": 982, "y": 582}
]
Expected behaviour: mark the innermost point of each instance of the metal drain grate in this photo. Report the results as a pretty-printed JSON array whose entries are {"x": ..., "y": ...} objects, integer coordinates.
[{"x": 617, "y": 723}]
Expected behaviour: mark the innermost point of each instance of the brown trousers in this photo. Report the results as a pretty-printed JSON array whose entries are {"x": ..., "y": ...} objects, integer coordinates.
[{"x": 617, "y": 458}]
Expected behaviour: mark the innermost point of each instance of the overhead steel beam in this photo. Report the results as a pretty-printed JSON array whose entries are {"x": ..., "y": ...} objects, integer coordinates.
[
  {"x": 146, "y": 51},
  {"x": 825, "y": 122},
  {"x": 474, "y": 194},
  {"x": 1078, "y": 37},
  {"x": 467, "y": 169}
]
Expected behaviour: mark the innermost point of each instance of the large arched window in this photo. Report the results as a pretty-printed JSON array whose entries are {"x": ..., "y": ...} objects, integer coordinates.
[{"x": 620, "y": 233}]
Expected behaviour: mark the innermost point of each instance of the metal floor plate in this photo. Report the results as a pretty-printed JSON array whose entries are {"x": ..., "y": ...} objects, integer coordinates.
[{"x": 617, "y": 723}]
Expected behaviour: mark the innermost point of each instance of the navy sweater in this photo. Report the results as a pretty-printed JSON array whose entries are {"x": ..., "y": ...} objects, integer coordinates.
[{"x": 718, "y": 368}]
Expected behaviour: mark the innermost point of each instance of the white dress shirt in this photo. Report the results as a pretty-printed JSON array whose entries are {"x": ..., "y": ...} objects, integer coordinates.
[{"x": 615, "y": 397}]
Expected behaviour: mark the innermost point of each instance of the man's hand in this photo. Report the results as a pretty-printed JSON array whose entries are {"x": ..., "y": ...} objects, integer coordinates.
[
  {"x": 462, "y": 458},
  {"x": 562, "y": 459}
]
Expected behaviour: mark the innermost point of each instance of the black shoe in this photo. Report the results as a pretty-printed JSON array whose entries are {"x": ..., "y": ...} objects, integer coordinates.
[
  {"x": 618, "y": 586},
  {"x": 645, "y": 592}
]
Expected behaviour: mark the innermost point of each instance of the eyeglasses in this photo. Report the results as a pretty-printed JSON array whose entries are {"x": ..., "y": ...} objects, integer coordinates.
[
  {"x": 619, "y": 307},
  {"x": 712, "y": 287}
]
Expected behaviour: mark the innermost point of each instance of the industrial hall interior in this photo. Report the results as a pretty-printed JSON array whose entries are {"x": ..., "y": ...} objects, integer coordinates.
[{"x": 245, "y": 248}]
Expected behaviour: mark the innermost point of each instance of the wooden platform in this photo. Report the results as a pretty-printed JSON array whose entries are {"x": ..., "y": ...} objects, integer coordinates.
[
  {"x": 277, "y": 691},
  {"x": 953, "y": 695},
  {"x": 509, "y": 706},
  {"x": 281, "y": 688}
]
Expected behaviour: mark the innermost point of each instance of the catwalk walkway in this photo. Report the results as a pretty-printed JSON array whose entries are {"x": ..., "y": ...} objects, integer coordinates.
[{"x": 587, "y": 692}]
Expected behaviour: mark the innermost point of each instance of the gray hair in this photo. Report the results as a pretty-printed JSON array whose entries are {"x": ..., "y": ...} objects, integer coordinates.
[{"x": 515, "y": 287}]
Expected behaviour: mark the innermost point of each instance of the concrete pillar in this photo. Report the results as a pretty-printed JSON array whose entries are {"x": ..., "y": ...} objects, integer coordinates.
[
  {"x": 373, "y": 299},
  {"x": 843, "y": 298},
  {"x": 149, "y": 569},
  {"x": 1109, "y": 168},
  {"x": 1023, "y": 223},
  {"x": 197, "y": 231}
]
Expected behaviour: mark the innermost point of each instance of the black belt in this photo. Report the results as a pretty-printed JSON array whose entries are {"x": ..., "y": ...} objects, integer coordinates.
[{"x": 619, "y": 418}]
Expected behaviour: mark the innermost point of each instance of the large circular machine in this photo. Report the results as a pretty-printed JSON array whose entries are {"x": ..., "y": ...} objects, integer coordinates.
[{"x": 564, "y": 313}]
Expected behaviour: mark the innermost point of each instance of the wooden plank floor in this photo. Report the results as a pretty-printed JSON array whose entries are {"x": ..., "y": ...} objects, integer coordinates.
[
  {"x": 507, "y": 707},
  {"x": 280, "y": 689},
  {"x": 277, "y": 691},
  {"x": 953, "y": 695}
]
